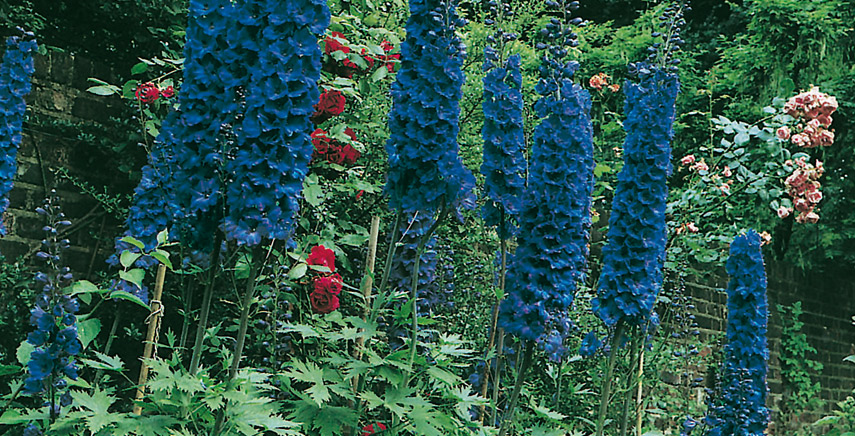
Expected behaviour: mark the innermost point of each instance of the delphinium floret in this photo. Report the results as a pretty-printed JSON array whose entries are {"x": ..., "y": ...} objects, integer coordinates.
[
  {"x": 400, "y": 276},
  {"x": 634, "y": 257},
  {"x": 273, "y": 145},
  {"x": 424, "y": 168},
  {"x": 16, "y": 72},
  {"x": 555, "y": 218},
  {"x": 503, "y": 165},
  {"x": 55, "y": 338},
  {"x": 740, "y": 408}
]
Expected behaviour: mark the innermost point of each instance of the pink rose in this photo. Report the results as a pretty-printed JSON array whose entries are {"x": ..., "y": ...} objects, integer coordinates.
[
  {"x": 828, "y": 105},
  {"x": 700, "y": 166},
  {"x": 726, "y": 172},
  {"x": 783, "y": 133},
  {"x": 784, "y": 212},
  {"x": 826, "y": 137},
  {"x": 801, "y": 205},
  {"x": 725, "y": 189},
  {"x": 800, "y": 140},
  {"x": 692, "y": 228},
  {"x": 824, "y": 120},
  {"x": 814, "y": 196},
  {"x": 812, "y": 217},
  {"x": 814, "y": 124},
  {"x": 687, "y": 159}
]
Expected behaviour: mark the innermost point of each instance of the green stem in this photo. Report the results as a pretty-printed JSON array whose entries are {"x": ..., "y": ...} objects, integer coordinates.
[
  {"x": 415, "y": 284},
  {"x": 631, "y": 383},
  {"x": 249, "y": 293},
  {"x": 496, "y": 380},
  {"x": 607, "y": 382},
  {"x": 387, "y": 269},
  {"x": 206, "y": 305},
  {"x": 509, "y": 415}
]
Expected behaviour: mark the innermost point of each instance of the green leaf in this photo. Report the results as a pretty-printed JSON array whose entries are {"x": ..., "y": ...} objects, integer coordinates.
[
  {"x": 123, "y": 295},
  {"x": 127, "y": 258},
  {"x": 379, "y": 74},
  {"x": 163, "y": 237},
  {"x": 103, "y": 90},
  {"x": 134, "y": 276},
  {"x": 298, "y": 271},
  {"x": 310, "y": 373},
  {"x": 9, "y": 369},
  {"x": 133, "y": 241},
  {"x": 312, "y": 191},
  {"x": 23, "y": 352},
  {"x": 139, "y": 68},
  {"x": 104, "y": 362},
  {"x": 162, "y": 257},
  {"x": 850, "y": 359},
  {"x": 84, "y": 287},
  {"x": 354, "y": 240},
  {"x": 88, "y": 330},
  {"x": 601, "y": 169}
]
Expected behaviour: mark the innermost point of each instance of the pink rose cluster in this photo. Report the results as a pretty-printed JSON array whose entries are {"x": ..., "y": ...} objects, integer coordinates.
[
  {"x": 804, "y": 188},
  {"x": 813, "y": 109}
]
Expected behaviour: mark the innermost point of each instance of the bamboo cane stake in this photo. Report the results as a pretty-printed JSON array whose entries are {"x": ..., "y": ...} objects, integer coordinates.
[{"x": 150, "y": 340}]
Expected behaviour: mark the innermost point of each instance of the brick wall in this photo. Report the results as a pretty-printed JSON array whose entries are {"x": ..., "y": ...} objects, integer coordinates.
[
  {"x": 57, "y": 106},
  {"x": 828, "y": 302}
]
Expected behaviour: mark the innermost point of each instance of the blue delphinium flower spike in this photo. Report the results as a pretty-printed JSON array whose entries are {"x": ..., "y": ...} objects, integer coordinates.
[
  {"x": 556, "y": 212},
  {"x": 504, "y": 141},
  {"x": 740, "y": 408},
  {"x": 634, "y": 257},
  {"x": 16, "y": 71},
  {"x": 273, "y": 146},
  {"x": 424, "y": 167}
]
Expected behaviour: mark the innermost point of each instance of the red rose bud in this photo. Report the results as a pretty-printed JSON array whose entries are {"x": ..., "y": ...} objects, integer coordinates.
[
  {"x": 168, "y": 92},
  {"x": 371, "y": 429},
  {"x": 147, "y": 92}
]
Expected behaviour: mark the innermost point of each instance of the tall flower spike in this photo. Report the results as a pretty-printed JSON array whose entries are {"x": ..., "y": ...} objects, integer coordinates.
[
  {"x": 424, "y": 168},
  {"x": 273, "y": 144},
  {"x": 55, "y": 338},
  {"x": 634, "y": 257},
  {"x": 208, "y": 104},
  {"x": 401, "y": 274},
  {"x": 504, "y": 141},
  {"x": 15, "y": 74},
  {"x": 556, "y": 212},
  {"x": 741, "y": 407}
]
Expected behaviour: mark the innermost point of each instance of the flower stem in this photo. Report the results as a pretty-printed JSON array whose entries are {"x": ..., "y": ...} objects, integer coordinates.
[
  {"x": 387, "y": 269},
  {"x": 249, "y": 293},
  {"x": 607, "y": 382},
  {"x": 206, "y": 305},
  {"x": 515, "y": 396}
]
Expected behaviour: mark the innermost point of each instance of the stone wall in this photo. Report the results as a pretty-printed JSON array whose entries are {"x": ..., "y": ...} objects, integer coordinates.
[{"x": 59, "y": 110}]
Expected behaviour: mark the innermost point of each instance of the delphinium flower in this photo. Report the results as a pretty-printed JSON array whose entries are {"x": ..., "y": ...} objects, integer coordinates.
[
  {"x": 504, "y": 141},
  {"x": 15, "y": 74},
  {"x": 555, "y": 218},
  {"x": 741, "y": 407},
  {"x": 424, "y": 167},
  {"x": 208, "y": 106},
  {"x": 55, "y": 338},
  {"x": 273, "y": 144},
  {"x": 634, "y": 257}
]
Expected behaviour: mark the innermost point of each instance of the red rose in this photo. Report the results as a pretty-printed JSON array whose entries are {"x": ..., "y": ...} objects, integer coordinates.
[
  {"x": 371, "y": 429},
  {"x": 330, "y": 104},
  {"x": 390, "y": 60},
  {"x": 332, "y": 44},
  {"x": 168, "y": 92},
  {"x": 329, "y": 284},
  {"x": 147, "y": 92},
  {"x": 323, "y": 256},
  {"x": 321, "y": 142},
  {"x": 360, "y": 194},
  {"x": 348, "y": 155},
  {"x": 323, "y": 302}
]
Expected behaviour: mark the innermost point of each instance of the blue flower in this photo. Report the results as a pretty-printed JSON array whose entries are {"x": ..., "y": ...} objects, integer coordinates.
[
  {"x": 431, "y": 294},
  {"x": 635, "y": 254},
  {"x": 53, "y": 315},
  {"x": 590, "y": 344},
  {"x": 556, "y": 213},
  {"x": 15, "y": 73},
  {"x": 424, "y": 167},
  {"x": 504, "y": 142},
  {"x": 740, "y": 408},
  {"x": 273, "y": 146}
]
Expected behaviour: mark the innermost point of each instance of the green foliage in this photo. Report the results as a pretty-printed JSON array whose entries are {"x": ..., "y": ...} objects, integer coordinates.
[{"x": 801, "y": 392}]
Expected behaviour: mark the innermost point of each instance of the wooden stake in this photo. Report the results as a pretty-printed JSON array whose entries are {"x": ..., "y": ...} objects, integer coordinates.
[
  {"x": 150, "y": 340},
  {"x": 368, "y": 281}
]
